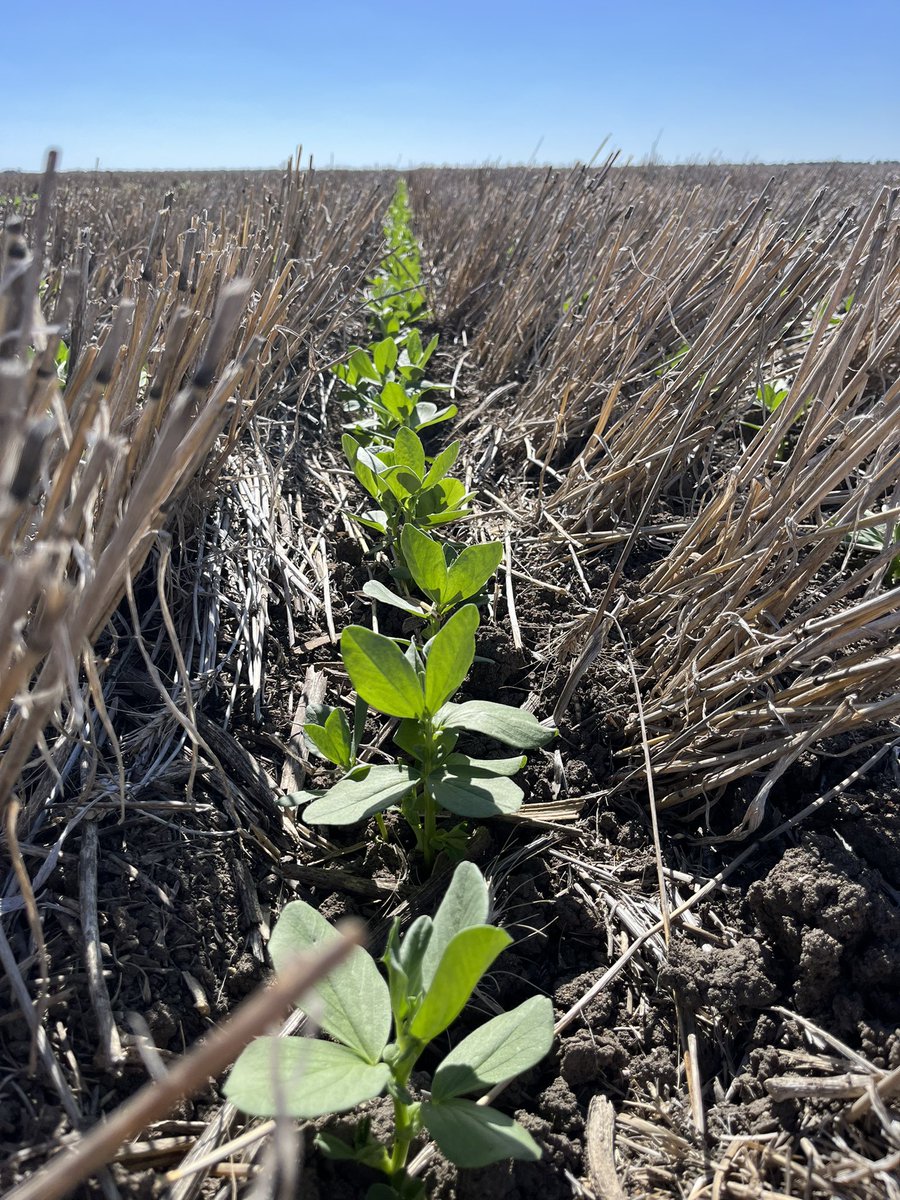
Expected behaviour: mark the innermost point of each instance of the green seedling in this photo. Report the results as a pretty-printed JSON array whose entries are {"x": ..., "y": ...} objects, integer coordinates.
[
  {"x": 875, "y": 539},
  {"x": 409, "y": 490},
  {"x": 381, "y": 1027},
  {"x": 396, "y": 297},
  {"x": 674, "y": 362},
  {"x": 383, "y": 388},
  {"x": 445, "y": 581},
  {"x": 431, "y": 777},
  {"x": 329, "y": 735}
]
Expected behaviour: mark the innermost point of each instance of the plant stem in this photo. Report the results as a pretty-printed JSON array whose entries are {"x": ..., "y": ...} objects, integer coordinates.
[
  {"x": 404, "y": 1132},
  {"x": 382, "y": 828},
  {"x": 430, "y": 826}
]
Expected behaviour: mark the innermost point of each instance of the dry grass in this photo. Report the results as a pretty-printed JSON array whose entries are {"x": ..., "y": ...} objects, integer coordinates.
[{"x": 642, "y": 311}]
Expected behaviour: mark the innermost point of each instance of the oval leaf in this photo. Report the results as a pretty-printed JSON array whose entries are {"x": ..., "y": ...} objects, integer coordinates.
[
  {"x": 467, "y": 956},
  {"x": 474, "y": 1135},
  {"x": 476, "y": 796},
  {"x": 512, "y": 726},
  {"x": 461, "y": 764},
  {"x": 409, "y": 452},
  {"x": 449, "y": 656},
  {"x": 443, "y": 463},
  {"x": 354, "y": 999},
  {"x": 300, "y": 1077},
  {"x": 472, "y": 569},
  {"x": 380, "y": 673},
  {"x": 377, "y": 591},
  {"x": 466, "y": 903},
  {"x": 352, "y": 800},
  {"x": 425, "y": 558},
  {"x": 502, "y": 1048}
]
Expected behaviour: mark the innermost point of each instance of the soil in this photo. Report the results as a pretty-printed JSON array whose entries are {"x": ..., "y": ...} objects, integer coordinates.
[{"x": 797, "y": 953}]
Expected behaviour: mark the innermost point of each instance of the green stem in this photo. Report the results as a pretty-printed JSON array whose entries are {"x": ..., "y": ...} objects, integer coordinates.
[
  {"x": 430, "y": 826},
  {"x": 382, "y": 828},
  {"x": 404, "y": 1133}
]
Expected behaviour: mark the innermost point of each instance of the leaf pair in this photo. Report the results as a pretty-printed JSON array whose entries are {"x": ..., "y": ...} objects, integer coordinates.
[
  {"x": 386, "y": 678},
  {"x": 417, "y": 687}
]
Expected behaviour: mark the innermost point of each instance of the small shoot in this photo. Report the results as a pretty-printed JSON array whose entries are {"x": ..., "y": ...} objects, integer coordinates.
[
  {"x": 445, "y": 582},
  {"x": 378, "y": 1030},
  {"x": 430, "y": 778}
]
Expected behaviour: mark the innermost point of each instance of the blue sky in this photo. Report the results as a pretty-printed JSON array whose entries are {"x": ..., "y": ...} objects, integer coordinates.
[{"x": 201, "y": 84}]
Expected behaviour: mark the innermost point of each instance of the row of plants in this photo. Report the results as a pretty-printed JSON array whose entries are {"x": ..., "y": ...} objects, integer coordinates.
[{"x": 382, "y": 1027}]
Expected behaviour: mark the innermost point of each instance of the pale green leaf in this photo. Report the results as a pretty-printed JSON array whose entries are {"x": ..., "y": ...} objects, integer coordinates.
[
  {"x": 476, "y": 796},
  {"x": 409, "y": 453},
  {"x": 443, "y": 463},
  {"x": 300, "y": 1077},
  {"x": 504, "y": 1047},
  {"x": 377, "y": 591},
  {"x": 474, "y": 1135},
  {"x": 354, "y": 1000},
  {"x": 380, "y": 673},
  {"x": 465, "y": 960},
  {"x": 471, "y": 570},
  {"x": 512, "y": 726},
  {"x": 449, "y": 655},
  {"x": 424, "y": 556},
  {"x": 466, "y": 903},
  {"x": 351, "y": 800}
]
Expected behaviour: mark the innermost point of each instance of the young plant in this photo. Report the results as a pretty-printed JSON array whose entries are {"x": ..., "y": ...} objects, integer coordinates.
[
  {"x": 446, "y": 581},
  {"x": 329, "y": 735},
  {"x": 396, "y": 296},
  {"x": 380, "y": 1029},
  {"x": 408, "y": 489},
  {"x": 876, "y": 539},
  {"x": 384, "y": 385},
  {"x": 431, "y": 776}
]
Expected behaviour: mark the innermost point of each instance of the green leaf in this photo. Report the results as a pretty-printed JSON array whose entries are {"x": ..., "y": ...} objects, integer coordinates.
[
  {"x": 409, "y": 452},
  {"x": 466, "y": 903},
  {"x": 363, "y": 365},
  {"x": 512, "y": 726},
  {"x": 354, "y": 998},
  {"x": 442, "y": 464},
  {"x": 413, "y": 949},
  {"x": 352, "y": 800},
  {"x": 361, "y": 469},
  {"x": 374, "y": 519},
  {"x": 476, "y": 796},
  {"x": 467, "y": 956},
  {"x": 377, "y": 591},
  {"x": 449, "y": 655},
  {"x": 424, "y": 556},
  {"x": 471, "y": 570},
  {"x": 300, "y": 1077},
  {"x": 428, "y": 414},
  {"x": 402, "y": 482},
  {"x": 380, "y": 673},
  {"x": 297, "y": 799},
  {"x": 462, "y": 764},
  {"x": 333, "y": 738},
  {"x": 384, "y": 355},
  {"x": 445, "y": 517},
  {"x": 474, "y": 1135},
  {"x": 398, "y": 403},
  {"x": 499, "y": 1050}
]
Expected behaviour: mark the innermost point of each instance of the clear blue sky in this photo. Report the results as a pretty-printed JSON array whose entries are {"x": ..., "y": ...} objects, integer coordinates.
[{"x": 153, "y": 83}]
